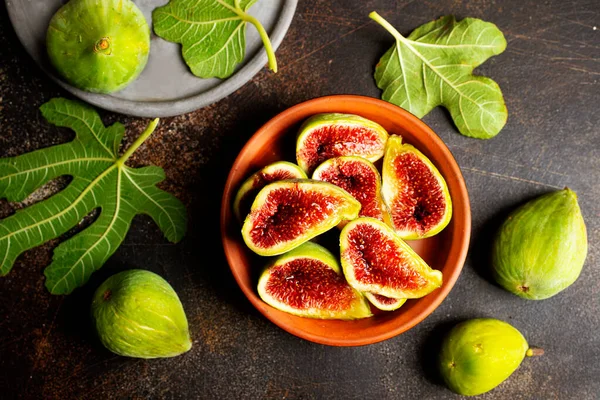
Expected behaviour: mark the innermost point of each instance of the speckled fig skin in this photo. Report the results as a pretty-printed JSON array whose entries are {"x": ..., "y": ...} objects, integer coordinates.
[
  {"x": 356, "y": 183},
  {"x": 271, "y": 220},
  {"x": 318, "y": 305},
  {"x": 416, "y": 276},
  {"x": 138, "y": 314},
  {"x": 99, "y": 46},
  {"x": 417, "y": 206},
  {"x": 271, "y": 173},
  {"x": 311, "y": 150},
  {"x": 389, "y": 305},
  {"x": 479, "y": 354},
  {"x": 541, "y": 248}
]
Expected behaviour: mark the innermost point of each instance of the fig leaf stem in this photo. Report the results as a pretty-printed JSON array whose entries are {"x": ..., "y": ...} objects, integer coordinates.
[
  {"x": 387, "y": 26},
  {"x": 265, "y": 39},
  {"x": 244, "y": 16},
  {"x": 138, "y": 142}
]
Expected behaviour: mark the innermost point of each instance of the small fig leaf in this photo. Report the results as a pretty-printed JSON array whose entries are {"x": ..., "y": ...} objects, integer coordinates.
[
  {"x": 434, "y": 66},
  {"x": 100, "y": 180},
  {"x": 211, "y": 33}
]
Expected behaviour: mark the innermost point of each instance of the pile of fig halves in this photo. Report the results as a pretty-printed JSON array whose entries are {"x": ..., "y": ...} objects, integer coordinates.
[{"x": 285, "y": 213}]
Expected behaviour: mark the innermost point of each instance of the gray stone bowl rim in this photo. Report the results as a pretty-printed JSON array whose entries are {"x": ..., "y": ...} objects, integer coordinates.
[{"x": 170, "y": 108}]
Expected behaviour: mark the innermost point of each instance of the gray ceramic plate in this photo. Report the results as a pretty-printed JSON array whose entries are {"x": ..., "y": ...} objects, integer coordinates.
[{"x": 166, "y": 87}]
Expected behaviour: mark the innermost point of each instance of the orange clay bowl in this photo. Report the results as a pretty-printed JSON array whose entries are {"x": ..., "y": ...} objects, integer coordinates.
[{"x": 446, "y": 251}]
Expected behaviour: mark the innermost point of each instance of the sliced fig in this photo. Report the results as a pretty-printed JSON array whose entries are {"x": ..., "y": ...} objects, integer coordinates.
[
  {"x": 384, "y": 303},
  {"x": 414, "y": 191},
  {"x": 277, "y": 171},
  {"x": 307, "y": 281},
  {"x": 328, "y": 135},
  {"x": 359, "y": 177},
  {"x": 375, "y": 259},
  {"x": 287, "y": 213}
]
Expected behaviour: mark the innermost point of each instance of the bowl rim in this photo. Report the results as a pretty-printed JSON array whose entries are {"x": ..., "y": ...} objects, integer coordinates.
[{"x": 449, "y": 280}]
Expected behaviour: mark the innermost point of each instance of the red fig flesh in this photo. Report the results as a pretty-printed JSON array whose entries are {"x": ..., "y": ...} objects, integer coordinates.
[
  {"x": 384, "y": 303},
  {"x": 359, "y": 177},
  {"x": 277, "y": 171},
  {"x": 375, "y": 259},
  {"x": 329, "y": 135},
  {"x": 414, "y": 191},
  {"x": 287, "y": 213},
  {"x": 307, "y": 281}
]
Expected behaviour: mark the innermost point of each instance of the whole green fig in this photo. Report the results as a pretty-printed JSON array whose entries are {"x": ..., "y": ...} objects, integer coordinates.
[
  {"x": 138, "y": 314},
  {"x": 541, "y": 248},
  {"x": 99, "y": 46},
  {"x": 479, "y": 354}
]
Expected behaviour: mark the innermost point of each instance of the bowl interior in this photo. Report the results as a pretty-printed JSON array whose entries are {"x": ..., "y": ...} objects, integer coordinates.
[{"x": 445, "y": 251}]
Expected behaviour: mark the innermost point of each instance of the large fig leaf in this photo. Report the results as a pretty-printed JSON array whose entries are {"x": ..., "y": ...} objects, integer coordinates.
[
  {"x": 434, "y": 66},
  {"x": 211, "y": 33},
  {"x": 100, "y": 180}
]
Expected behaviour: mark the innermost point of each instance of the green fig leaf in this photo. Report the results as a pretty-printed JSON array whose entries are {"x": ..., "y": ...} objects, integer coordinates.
[
  {"x": 101, "y": 180},
  {"x": 211, "y": 33},
  {"x": 434, "y": 66}
]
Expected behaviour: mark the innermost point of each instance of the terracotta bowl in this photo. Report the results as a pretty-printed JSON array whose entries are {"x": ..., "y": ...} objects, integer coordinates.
[{"x": 445, "y": 251}]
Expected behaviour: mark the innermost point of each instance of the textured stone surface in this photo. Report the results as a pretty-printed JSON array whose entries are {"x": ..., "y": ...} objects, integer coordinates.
[{"x": 550, "y": 78}]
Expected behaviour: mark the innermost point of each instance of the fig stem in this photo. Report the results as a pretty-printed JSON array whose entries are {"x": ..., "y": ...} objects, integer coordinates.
[
  {"x": 138, "y": 142},
  {"x": 534, "y": 351},
  {"x": 102, "y": 46}
]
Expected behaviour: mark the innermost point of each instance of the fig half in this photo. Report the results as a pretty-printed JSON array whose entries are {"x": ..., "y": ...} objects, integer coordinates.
[
  {"x": 414, "y": 191},
  {"x": 328, "y": 135},
  {"x": 307, "y": 281},
  {"x": 277, "y": 171},
  {"x": 287, "y": 213},
  {"x": 384, "y": 303},
  {"x": 375, "y": 259},
  {"x": 359, "y": 177}
]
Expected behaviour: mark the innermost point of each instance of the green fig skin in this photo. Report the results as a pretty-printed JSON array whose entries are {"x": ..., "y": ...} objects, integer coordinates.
[
  {"x": 372, "y": 152},
  {"x": 541, "y": 248},
  {"x": 358, "y": 309},
  {"x": 392, "y": 187},
  {"x": 258, "y": 180},
  {"x": 98, "y": 46},
  {"x": 431, "y": 278},
  {"x": 347, "y": 209},
  {"x": 396, "y": 304},
  {"x": 138, "y": 314},
  {"x": 479, "y": 354}
]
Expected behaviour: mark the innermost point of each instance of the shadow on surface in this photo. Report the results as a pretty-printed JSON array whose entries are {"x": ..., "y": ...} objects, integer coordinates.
[
  {"x": 480, "y": 254},
  {"x": 430, "y": 351},
  {"x": 78, "y": 303},
  {"x": 203, "y": 245}
]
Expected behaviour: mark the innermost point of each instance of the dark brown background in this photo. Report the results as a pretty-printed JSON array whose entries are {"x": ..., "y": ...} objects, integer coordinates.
[{"x": 549, "y": 76}]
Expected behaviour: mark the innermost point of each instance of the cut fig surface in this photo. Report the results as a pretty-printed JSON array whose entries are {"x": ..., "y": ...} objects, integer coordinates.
[
  {"x": 287, "y": 213},
  {"x": 375, "y": 259},
  {"x": 277, "y": 171},
  {"x": 384, "y": 303},
  {"x": 307, "y": 281},
  {"x": 414, "y": 191},
  {"x": 359, "y": 177},
  {"x": 328, "y": 135}
]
